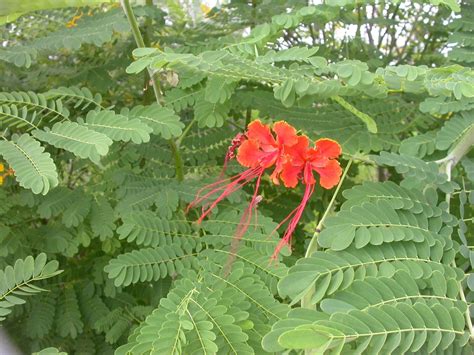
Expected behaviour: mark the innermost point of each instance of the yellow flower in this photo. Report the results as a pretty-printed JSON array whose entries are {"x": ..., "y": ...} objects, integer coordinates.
[
  {"x": 205, "y": 9},
  {"x": 73, "y": 21},
  {"x": 2, "y": 167}
]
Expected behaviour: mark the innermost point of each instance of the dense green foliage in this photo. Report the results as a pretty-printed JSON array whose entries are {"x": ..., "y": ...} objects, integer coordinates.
[{"x": 113, "y": 116}]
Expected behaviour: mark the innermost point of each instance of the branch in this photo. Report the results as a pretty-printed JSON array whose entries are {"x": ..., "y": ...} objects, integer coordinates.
[
  {"x": 460, "y": 149},
  {"x": 127, "y": 8}
]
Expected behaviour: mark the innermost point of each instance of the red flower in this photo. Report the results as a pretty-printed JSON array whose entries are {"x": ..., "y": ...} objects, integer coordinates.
[
  {"x": 294, "y": 160},
  {"x": 257, "y": 150},
  {"x": 262, "y": 148},
  {"x": 303, "y": 160}
]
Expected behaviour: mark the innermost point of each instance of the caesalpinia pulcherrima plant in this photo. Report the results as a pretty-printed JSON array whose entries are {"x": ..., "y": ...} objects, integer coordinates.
[
  {"x": 289, "y": 154},
  {"x": 348, "y": 125}
]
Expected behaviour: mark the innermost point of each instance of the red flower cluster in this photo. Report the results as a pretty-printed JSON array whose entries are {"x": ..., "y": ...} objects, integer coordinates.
[{"x": 293, "y": 160}]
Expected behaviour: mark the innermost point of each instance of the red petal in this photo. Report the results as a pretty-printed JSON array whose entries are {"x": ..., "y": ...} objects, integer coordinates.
[
  {"x": 329, "y": 174},
  {"x": 295, "y": 161},
  {"x": 298, "y": 151},
  {"x": 249, "y": 154},
  {"x": 286, "y": 134},
  {"x": 260, "y": 132},
  {"x": 328, "y": 148},
  {"x": 289, "y": 174}
]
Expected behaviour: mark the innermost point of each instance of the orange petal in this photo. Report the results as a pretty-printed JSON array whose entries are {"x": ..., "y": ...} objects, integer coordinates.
[
  {"x": 260, "y": 132},
  {"x": 298, "y": 151},
  {"x": 286, "y": 134},
  {"x": 290, "y": 173},
  {"x": 330, "y": 174},
  {"x": 249, "y": 154},
  {"x": 328, "y": 148},
  {"x": 316, "y": 159}
]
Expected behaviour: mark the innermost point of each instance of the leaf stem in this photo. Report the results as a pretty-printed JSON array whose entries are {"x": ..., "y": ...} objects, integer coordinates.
[
  {"x": 186, "y": 131},
  {"x": 369, "y": 121},
  {"x": 466, "y": 142},
  {"x": 127, "y": 8},
  {"x": 313, "y": 244}
]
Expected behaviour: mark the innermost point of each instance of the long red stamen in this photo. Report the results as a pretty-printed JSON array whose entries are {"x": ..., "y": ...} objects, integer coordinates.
[
  {"x": 243, "y": 225},
  {"x": 225, "y": 188},
  {"x": 243, "y": 180},
  {"x": 198, "y": 199},
  {"x": 283, "y": 222},
  {"x": 286, "y": 240},
  {"x": 223, "y": 184}
]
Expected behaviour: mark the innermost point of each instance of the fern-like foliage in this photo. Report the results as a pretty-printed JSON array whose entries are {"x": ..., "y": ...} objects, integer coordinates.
[
  {"x": 81, "y": 97},
  {"x": 102, "y": 218},
  {"x": 97, "y": 30},
  {"x": 34, "y": 169},
  {"x": 48, "y": 117},
  {"x": 151, "y": 264},
  {"x": 110, "y": 159},
  {"x": 118, "y": 127},
  {"x": 376, "y": 290},
  {"x": 420, "y": 145},
  {"x": 145, "y": 229},
  {"x": 69, "y": 322},
  {"x": 417, "y": 172},
  {"x": 162, "y": 120},
  {"x": 79, "y": 140},
  {"x": 29, "y": 110},
  {"x": 331, "y": 120},
  {"x": 462, "y": 36},
  {"x": 420, "y": 327},
  {"x": 41, "y": 312},
  {"x": 454, "y": 129},
  {"x": 20, "y": 280},
  {"x": 190, "y": 318}
]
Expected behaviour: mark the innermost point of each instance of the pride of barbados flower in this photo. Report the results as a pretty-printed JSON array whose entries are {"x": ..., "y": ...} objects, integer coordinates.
[{"x": 292, "y": 159}]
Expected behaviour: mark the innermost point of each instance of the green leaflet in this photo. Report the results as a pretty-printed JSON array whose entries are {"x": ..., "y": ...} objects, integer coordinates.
[
  {"x": 19, "y": 280},
  {"x": 400, "y": 327},
  {"x": 156, "y": 263},
  {"x": 418, "y": 173},
  {"x": 29, "y": 110},
  {"x": 34, "y": 169},
  {"x": 69, "y": 316},
  {"x": 82, "y": 97},
  {"x": 333, "y": 271},
  {"x": 144, "y": 228},
  {"x": 210, "y": 114},
  {"x": 50, "y": 351},
  {"x": 81, "y": 141},
  {"x": 375, "y": 223},
  {"x": 454, "y": 129},
  {"x": 162, "y": 120},
  {"x": 118, "y": 127}
]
